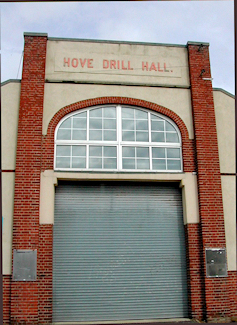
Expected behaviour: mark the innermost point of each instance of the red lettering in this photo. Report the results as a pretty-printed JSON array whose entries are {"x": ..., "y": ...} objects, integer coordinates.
[
  {"x": 159, "y": 68},
  {"x": 66, "y": 61},
  {"x": 123, "y": 67},
  {"x": 118, "y": 64},
  {"x": 74, "y": 62},
  {"x": 89, "y": 63},
  {"x": 112, "y": 64},
  {"x": 105, "y": 64},
  {"x": 153, "y": 67},
  {"x": 165, "y": 68},
  {"x": 83, "y": 62},
  {"x": 145, "y": 66},
  {"x": 129, "y": 68}
]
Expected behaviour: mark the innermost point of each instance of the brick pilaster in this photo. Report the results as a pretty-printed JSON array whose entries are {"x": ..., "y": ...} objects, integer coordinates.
[
  {"x": 208, "y": 174},
  {"x": 195, "y": 271},
  {"x": 24, "y": 295}
]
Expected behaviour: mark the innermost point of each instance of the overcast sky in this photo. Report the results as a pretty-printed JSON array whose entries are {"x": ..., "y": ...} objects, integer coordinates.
[{"x": 174, "y": 22}]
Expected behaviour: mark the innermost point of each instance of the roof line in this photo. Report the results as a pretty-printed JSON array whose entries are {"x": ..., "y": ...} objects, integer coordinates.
[
  {"x": 112, "y": 41},
  {"x": 10, "y": 80},
  {"x": 224, "y": 91}
]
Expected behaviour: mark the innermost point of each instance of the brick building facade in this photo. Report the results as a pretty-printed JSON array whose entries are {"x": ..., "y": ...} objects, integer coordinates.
[{"x": 93, "y": 117}]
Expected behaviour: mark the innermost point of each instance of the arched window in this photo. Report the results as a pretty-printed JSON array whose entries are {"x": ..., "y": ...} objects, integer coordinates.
[{"x": 117, "y": 138}]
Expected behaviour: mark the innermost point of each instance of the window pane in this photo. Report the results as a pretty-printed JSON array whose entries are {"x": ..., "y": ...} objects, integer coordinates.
[
  {"x": 157, "y": 137},
  {"x": 142, "y": 152},
  {"x": 110, "y": 163},
  {"x": 158, "y": 164},
  {"x": 96, "y": 112},
  {"x": 142, "y": 136},
  {"x": 127, "y": 113},
  {"x": 128, "y": 136},
  {"x": 158, "y": 152},
  {"x": 95, "y": 123},
  {"x": 63, "y": 151},
  {"x": 80, "y": 115},
  {"x": 79, "y": 151},
  {"x": 169, "y": 127},
  {"x": 95, "y": 162},
  {"x": 143, "y": 164},
  {"x": 64, "y": 134},
  {"x": 172, "y": 137},
  {"x": 78, "y": 162},
  {"x": 157, "y": 125},
  {"x": 142, "y": 125},
  {"x": 128, "y": 124},
  {"x": 110, "y": 124},
  {"x": 139, "y": 114},
  {"x": 66, "y": 124},
  {"x": 156, "y": 118},
  {"x": 79, "y": 135},
  {"x": 110, "y": 112},
  {"x": 173, "y": 153},
  {"x": 173, "y": 164},
  {"x": 128, "y": 151},
  {"x": 79, "y": 123},
  {"x": 110, "y": 151},
  {"x": 95, "y": 135},
  {"x": 128, "y": 163},
  {"x": 95, "y": 151},
  {"x": 110, "y": 135},
  {"x": 63, "y": 162}
]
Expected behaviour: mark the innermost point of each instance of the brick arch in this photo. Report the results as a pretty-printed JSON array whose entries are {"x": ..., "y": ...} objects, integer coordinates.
[{"x": 48, "y": 139}]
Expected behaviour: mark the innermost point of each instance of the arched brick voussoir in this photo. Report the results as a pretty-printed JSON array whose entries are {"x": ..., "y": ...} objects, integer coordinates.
[
  {"x": 118, "y": 100},
  {"x": 48, "y": 139}
]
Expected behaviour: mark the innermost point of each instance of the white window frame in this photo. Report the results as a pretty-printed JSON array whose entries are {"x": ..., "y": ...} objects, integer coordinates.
[{"x": 119, "y": 143}]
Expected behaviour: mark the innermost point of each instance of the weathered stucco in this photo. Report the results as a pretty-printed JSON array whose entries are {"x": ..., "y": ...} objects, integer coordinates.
[
  {"x": 225, "y": 117},
  {"x": 229, "y": 203},
  {"x": 79, "y": 52},
  {"x": 10, "y": 101},
  {"x": 8, "y": 182},
  {"x": 59, "y": 95}
]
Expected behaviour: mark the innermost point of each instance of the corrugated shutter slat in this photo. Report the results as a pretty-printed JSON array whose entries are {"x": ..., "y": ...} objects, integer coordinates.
[{"x": 118, "y": 252}]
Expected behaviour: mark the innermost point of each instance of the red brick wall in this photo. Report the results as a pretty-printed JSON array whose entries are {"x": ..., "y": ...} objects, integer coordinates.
[
  {"x": 6, "y": 298},
  {"x": 45, "y": 273},
  {"x": 208, "y": 174},
  {"x": 24, "y": 295},
  {"x": 48, "y": 140},
  {"x": 195, "y": 274},
  {"x": 232, "y": 286}
]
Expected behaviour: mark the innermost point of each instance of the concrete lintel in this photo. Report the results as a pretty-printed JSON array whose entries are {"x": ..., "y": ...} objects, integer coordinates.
[
  {"x": 35, "y": 34},
  {"x": 198, "y": 43},
  {"x": 49, "y": 179}
]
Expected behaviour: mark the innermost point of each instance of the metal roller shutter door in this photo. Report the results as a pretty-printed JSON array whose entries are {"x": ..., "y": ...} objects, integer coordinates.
[{"x": 118, "y": 252}]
